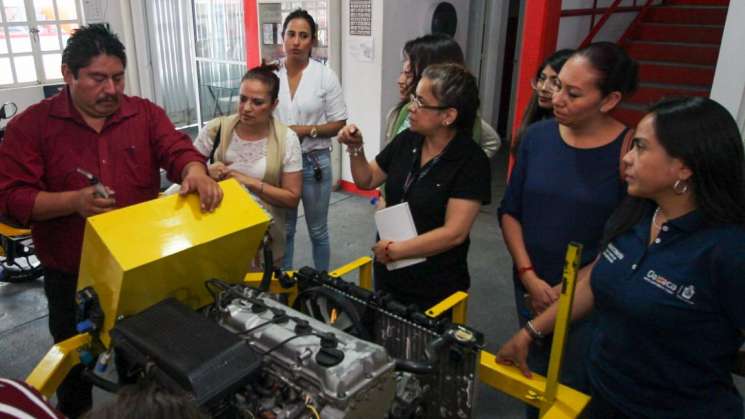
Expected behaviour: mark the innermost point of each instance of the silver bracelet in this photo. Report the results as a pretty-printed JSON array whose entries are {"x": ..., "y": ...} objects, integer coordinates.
[
  {"x": 355, "y": 151},
  {"x": 532, "y": 331}
]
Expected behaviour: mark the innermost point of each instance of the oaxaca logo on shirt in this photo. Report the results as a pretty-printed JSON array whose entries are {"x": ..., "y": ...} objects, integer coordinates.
[
  {"x": 612, "y": 254},
  {"x": 683, "y": 293}
]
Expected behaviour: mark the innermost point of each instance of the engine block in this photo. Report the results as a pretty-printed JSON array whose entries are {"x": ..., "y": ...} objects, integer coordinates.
[{"x": 349, "y": 377}]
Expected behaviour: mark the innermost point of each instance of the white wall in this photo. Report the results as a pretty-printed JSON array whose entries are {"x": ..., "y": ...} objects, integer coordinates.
[
  {"x": 729, "y": 82},
  {"x": 22, "y": 97},
  {"x": 491, "y": 59},
  {"x": 361, "y": 83},
  {"x": 370, "y": 87}
]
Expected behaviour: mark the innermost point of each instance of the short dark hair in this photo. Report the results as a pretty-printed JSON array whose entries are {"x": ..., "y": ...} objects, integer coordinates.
[
  {"x": 618, "y": 72},
  {"x": 88, "y": 42},
  {"x": 455, "y": 87},
  {"x": 437, "y": 48},
  {"x": 301, "y": 14},
  {"x": 704, "y": 136},
  {"x": 265, "y": 73},
  {"x": 148, "y": 400}
]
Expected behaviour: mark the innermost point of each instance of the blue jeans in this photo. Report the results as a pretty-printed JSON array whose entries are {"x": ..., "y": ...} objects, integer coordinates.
[{"x": 316, "y": 196}]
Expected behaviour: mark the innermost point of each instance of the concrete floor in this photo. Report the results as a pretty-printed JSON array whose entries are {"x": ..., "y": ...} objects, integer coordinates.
[{"x": 23, "y": 314}]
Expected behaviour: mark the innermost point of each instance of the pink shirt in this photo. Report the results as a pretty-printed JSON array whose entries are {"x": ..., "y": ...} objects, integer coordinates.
[{"x": 45, "y": 144}]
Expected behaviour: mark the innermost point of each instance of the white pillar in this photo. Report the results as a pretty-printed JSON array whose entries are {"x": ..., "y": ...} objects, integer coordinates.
[{"x": 729, "y": 80}]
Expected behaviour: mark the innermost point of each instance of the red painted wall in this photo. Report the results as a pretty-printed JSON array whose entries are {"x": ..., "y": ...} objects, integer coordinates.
[
  {"x": 539, "y": 34},
  {"x": 251, "y": 19}
]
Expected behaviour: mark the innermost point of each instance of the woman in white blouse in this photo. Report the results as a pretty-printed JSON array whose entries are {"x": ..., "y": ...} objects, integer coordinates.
[
  {"x": 257, "y": 150},
  {"x": 311, "y": 103}
]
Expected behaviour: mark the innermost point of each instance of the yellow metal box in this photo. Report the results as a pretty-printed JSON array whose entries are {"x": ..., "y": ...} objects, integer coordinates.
[{"x": 137, "y": 256}]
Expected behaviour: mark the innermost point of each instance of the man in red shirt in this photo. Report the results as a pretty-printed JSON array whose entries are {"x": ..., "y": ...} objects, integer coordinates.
[
  {"x": 90, "y": 125},
  {"x": 19, "y": 400}
]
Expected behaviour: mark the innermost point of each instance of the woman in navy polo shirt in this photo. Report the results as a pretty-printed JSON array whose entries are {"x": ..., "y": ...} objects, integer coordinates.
[
  {"x": 442, "y": 173},
  {"x": 668, "y": 288}
]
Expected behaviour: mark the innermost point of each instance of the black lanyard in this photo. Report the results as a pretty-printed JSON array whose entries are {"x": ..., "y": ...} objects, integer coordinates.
[{"x": 417, "y": 173}]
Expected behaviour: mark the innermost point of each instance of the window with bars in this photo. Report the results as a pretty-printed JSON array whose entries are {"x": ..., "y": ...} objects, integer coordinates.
[{"x": 33, "y": 34}]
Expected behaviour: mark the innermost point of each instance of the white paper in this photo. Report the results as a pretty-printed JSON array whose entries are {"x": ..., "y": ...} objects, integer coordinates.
[
  {"x": 361, "y": 48},
  {"x": 397, "y": 224}
]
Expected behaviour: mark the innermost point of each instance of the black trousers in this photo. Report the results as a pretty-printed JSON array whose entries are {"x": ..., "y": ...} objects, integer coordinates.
[
  {"x": 600, "y": 408},
  {"x": 74, "y": 395}
]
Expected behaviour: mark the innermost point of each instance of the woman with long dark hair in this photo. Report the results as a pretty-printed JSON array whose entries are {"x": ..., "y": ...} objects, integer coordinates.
[
  {"x": 667, "y": 288},
  {"x": 418, "y": 54},
  {"x": 540, "y": 106},
  {"x": 565, "y": 185}
]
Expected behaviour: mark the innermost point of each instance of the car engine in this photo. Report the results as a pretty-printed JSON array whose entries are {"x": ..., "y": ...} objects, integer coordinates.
[{"x": 340, "y": 352}]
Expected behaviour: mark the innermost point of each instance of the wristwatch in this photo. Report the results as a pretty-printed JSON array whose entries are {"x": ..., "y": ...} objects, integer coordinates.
[{"x": 314, "y": 132}]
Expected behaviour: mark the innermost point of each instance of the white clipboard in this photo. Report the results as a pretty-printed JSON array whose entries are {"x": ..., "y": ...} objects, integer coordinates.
[{"x": 397, "y": 224}]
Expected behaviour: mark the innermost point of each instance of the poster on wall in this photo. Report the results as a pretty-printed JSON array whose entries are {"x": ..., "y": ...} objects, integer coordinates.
[
  {"x": 360, "y": 17},
  {"x": 362, "y": 48},
  {"x": 94, "y": 11},
  {"x": 267, "y": 33}
]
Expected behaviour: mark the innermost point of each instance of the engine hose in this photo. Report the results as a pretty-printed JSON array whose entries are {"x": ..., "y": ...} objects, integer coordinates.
[
  {"x": 99, "y": 382},
  {"x": 423, "y": 367},
  {"x": 266, "y": 279},
  {"x": 415, "y": 367}
]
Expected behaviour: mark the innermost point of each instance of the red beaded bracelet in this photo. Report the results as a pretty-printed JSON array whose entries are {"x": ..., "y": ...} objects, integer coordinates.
[
  {"x": 385, "y": 249},
  {"x": 521, "y": 271}
]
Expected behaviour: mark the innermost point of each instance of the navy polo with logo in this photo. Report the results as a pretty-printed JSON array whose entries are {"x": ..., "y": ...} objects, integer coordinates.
[{"x": 670, "y": 319}]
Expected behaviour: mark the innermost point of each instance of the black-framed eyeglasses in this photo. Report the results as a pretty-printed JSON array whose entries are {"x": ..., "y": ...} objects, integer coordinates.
[{"x": 416, "y": 103}]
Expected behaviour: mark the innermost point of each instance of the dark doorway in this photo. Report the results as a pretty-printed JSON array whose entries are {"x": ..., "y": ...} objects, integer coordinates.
[{"x": 508, "y": 70}]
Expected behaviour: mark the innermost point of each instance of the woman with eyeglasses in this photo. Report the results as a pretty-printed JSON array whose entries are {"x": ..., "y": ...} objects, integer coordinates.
[
  {"x": 257, "y": 150},
  {"x": 564, "y": 187},
  {"x": 540, "y": 106},
  {"x": 667, "y": 289},
  {"x": 437, "y": 168}
]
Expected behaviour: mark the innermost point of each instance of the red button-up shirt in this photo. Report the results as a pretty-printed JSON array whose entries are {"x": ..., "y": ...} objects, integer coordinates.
[{"x": 45, "y": 144}]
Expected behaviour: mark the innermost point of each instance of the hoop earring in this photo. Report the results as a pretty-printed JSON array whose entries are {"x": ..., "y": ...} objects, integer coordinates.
[{"x": 680, "y": 187}]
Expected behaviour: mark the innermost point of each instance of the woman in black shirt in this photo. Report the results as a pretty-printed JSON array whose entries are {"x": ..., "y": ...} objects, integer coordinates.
[{"x": 444, "y": 176}]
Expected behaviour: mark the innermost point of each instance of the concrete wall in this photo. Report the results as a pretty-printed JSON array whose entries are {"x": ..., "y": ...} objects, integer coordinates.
[{"x": 729, "y": 80}]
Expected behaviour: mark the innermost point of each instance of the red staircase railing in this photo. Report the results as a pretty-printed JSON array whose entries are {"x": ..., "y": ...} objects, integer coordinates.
[
  {"x": 632, "y": 27},
  {"x": 615, "y": 7}
]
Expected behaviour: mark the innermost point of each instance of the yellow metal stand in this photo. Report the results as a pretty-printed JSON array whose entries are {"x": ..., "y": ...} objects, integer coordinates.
[
  {"x": 10, "y": 231},
  {"x": 556, "y": 401},
  {"x": 458, "y": 301},
  {"x": 55, "y": 365},
  {"x": 561, "y": 328},
  {"x": 140, "y": 255},
  {"x": 7, "y": 230},
  {"x": 553, "y": 399},
  {"x": 364, "y": 264}
]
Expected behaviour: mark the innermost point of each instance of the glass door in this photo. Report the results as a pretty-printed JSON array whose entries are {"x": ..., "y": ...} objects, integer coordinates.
[{"x": 220, "y": 55}]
